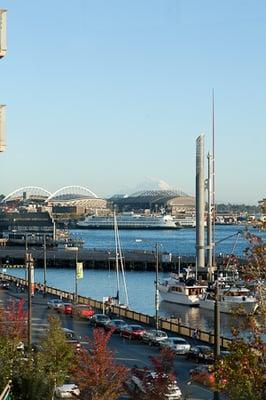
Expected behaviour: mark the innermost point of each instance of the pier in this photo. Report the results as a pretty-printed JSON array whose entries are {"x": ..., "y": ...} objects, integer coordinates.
[{"x": 138, "y": 260}]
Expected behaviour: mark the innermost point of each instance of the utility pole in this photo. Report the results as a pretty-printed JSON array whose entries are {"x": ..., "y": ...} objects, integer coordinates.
[
  {"x": 29, "y": 263},
  {"x": 76, "y": 278},
  {"x": 217, "y": 329},
  {"x": 157, "y": 289}
]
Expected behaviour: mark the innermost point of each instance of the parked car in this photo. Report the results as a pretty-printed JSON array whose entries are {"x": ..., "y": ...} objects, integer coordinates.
[
  {"x": 204, "y": 375},
  {"x": 154, "y": 336},
  {"x": 116, "y": 325},
  {"x": 136, "y": 383},
  {"x": 132, "y": 332},
  {"x": 177, "y": 344},
  {"x": 72, "y": 338},
  {"x": 201, "y": 354},
  {"x": 82, "y": 311},
  {"x": 67, "y": 391},
  {"x": 99, "y": 320},
  {"x": 65, "y": 308},
  {"x": 4, "y": 284},
  {"x": 54, "y": 303}
]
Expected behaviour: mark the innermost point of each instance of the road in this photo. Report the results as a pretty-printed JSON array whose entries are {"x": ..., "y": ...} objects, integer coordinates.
[{"x": 126, "y": 352}]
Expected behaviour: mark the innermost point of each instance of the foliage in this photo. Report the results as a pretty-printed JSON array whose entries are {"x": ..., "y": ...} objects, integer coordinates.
[
  {"x": 13, "y": 321},
  {"x": 255, "y": 269},
  {"x": 242, "y": 373},
  {"x": 35, "y": 377},
  {"x": 30, "y": 382},
  {"x": 55, "y": 355},
  {"x": 95, "y": 371},
  {"x": 155, "y": 385},
  {"x": 12, "y": 331}
]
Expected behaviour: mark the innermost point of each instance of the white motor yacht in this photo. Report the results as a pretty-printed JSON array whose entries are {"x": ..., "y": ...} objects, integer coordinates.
[
  {"x": 231, "y": 299},
  {"x": 181, "y": 290}
]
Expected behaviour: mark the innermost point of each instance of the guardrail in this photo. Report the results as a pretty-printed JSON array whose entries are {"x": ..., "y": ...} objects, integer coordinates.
[{"x": 169, "y": 324}]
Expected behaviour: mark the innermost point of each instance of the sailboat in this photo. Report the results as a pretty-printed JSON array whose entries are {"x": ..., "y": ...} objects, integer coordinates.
[{"x": 120, "y": 271}]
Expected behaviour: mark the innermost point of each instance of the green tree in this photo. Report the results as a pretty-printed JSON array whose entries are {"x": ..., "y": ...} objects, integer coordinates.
[
  {"x": 56, "y": 355},
  {"x": 35, "y": 377}
]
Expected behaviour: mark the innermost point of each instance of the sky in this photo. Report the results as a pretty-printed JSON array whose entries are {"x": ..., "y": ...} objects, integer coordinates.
[{"x": 106, "y": 93}]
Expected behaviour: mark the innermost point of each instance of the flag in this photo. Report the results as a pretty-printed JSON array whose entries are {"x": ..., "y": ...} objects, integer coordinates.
[{"x": 79, "y": 270}]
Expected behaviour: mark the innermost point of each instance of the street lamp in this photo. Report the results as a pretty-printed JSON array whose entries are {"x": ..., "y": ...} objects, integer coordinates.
[
  {"x": 75, "y": 249},
  {"x": 157, "y": 297},
  {"x": 44, "y": 265},
  {"x": 29, "y": 269}
]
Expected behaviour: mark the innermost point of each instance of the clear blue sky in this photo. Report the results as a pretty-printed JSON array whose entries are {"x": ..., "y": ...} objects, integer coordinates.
[{"x": 105, "y": 93}]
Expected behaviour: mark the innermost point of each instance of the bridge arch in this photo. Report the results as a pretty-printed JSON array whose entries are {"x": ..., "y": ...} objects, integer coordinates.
[
  {"x": 31, "y": 190},
  {"x": 72, "y": 192}
]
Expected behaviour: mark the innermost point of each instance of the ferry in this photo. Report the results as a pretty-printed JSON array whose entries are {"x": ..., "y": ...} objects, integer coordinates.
[
  {"x": 129, "y": 220},
  {"x": 180, "y": 290}
]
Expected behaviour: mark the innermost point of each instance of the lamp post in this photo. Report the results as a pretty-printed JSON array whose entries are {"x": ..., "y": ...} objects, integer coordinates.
[
  {"x": 216, "y": 395},
  {"x": 44, "y": 265},
  {"x": 156, "y": 297},
  {"x": 75, "y": 249},
  {"x": 28, "y": 268},
  {"x": 157, "y": 288},
  {"x": 179, "y": 265}
]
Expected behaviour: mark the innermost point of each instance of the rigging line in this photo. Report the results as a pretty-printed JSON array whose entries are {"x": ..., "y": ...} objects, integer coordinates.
[
  {"x": 116, "y": 257},
  {"x": 233, "y": 250},
  {"x": 122, "y": 268}
]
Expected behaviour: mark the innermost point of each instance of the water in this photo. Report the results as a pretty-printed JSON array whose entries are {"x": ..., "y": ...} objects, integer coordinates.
[
  {"x": 181, "y": 242},
  {"x": 101, "y": 283}
]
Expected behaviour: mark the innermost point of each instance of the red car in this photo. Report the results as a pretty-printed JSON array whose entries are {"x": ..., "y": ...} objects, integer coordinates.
[
  {"x": 204, "y": 375},
  {"x": 82, "y": 311},
  {"x": 65, "y": 308},
  {"x": 133, "y": 332}
]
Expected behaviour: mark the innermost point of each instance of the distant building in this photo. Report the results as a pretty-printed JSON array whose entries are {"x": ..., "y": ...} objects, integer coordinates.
[
  {"x": 262, "y": 205},
  {"x": 154, "y": 201}
]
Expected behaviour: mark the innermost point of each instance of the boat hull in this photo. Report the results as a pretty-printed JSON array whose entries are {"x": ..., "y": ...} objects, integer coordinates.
[
  {"x": 128, "y": 227},
  {"x": 228, "y": 307},
  {"x": 179, "y": 298}
]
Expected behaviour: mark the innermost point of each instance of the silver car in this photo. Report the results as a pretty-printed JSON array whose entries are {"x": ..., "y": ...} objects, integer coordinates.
[
  {"x": 177, "y": 344},
  {"x": 54, "y": 303},
  {"x": 154, "y": 336}
]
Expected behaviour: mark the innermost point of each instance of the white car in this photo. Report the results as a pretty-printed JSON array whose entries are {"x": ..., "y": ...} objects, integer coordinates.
[
  {"x": 177, "y": 344},
  {"x": 174, "y": 392},
  {"x": 54, "y": 303},
  {"x": 67, "y": 391},
  {"x": 154, "y": 336}
]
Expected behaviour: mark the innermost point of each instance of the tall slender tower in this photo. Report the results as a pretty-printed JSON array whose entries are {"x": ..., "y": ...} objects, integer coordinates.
[
  {"x": 200, "y": 202},
  {"x": 2, "y": 128},
  {"x": 3, "y": 47}
]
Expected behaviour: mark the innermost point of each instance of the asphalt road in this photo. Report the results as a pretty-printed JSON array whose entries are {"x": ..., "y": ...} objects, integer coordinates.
[{"x": 129, "y": 353}]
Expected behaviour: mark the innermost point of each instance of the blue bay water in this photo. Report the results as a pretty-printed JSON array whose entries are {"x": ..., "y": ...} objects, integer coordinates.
[{"x": 101, "y": 283}]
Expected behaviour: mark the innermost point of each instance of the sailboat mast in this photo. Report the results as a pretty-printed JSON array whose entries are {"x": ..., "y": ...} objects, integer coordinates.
[
  {"x": 213, "y": 183},
  {"x": 116, "y": 257}
]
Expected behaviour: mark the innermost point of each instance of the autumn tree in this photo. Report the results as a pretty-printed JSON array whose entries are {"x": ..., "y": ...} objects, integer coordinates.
[
  {"x": 96, "y": 372},
  {"x": 242, "y": 373},
  {"x": 12, "y": 332}
]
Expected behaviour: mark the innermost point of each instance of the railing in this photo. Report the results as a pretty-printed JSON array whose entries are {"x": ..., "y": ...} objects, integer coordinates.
[
  {"x": 5, "y": 395},
  {"x": 170, "y": 324}
]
